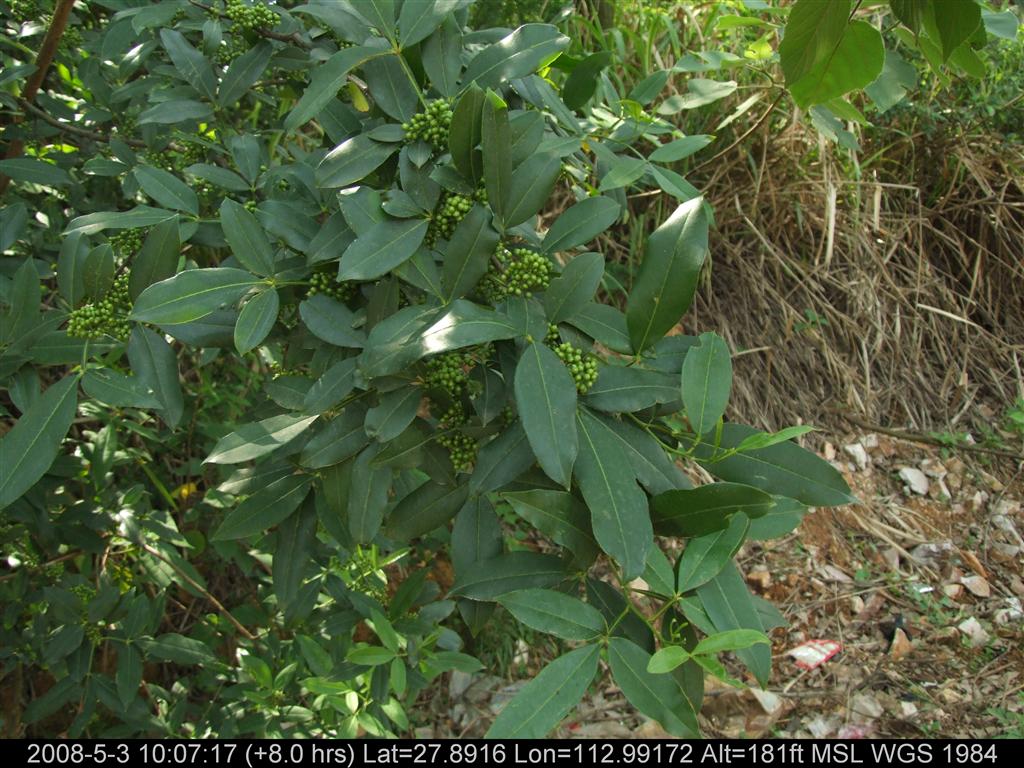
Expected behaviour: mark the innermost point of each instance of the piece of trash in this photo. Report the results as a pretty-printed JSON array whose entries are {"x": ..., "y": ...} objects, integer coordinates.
[
  {"x": 915, "y": 479},
  {"x": 814, "y": 653},
  {"x": 976, "y": 634},
  {"x": 854, "y": 732}
]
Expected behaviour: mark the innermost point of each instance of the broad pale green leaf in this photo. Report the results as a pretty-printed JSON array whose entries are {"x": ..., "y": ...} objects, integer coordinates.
[
  {"x": 469, "y": 251},
  {"x": 191, "y": 295},
  {"x": 705, "y": 556},
  {"x": 707, "y": 382},
  {"x": 258, "y": 439},
  {"x": 266, "y": 508},
  {"x": 781, "y": 519},
  {"x": 507, "y": 573},
  {"x": 680, "y": 148},
  {"x": 192, "y": 65},
  {"x": 657, "y": 696},
  {"x": 531, "y": 187},
  {"x": 167, "y": 189},
  {"x": 117, "y": 389},
  {"x": 549, "y": 697},
  {"x": 622, "y": 172},
  {"x": 158, "y": 258},
  {"x": 574, "y": 288},
  {"x": 331, "y": 321},
  {"x": 428, "y": 507},
  {"x": 395, "y": 411},
  {"x": 626, "y": 389},
  {"x": 243, "y": 73},
  {"x": 581, "y": 223},
  {"x": 331, "y": 388},
  {"x": 495, "y": 140},
  {"x": 519, "y": 54},
  {"x": 561, "y": 517},
  {"x": 465, "y": 133},
  {"x": 555, "y": 613},
  {"x": 155, "y": 364},
  {"x": 352, "y": 160},
  {"x": 813, "y": 31},
  {"x": 546, "y": 399},
  {"x": 668, "y": 275},
  {"x": 618, "y": 507},
  {"x": 390, "y": 86},
  {"x": 370, "y": 656},
  {"x": 246, "y": 237},
  {"x": 380, "y": 14},
  {"x": 700, "y": 92},
  {"x": 729, "y": 605},
  {"x": 765, "y": 439},
  {"x": 658, "y": 574},
  {"x": 256, "y": 320},
  {"x": 785, "y": 469},
  {"x": 35, "y": 171},
  {"x": 731, "y": 640},
  {"x": 891, "y": 86},
  {"x": 368, "y": 497},
  {"x": 648, "y": 89},
  {"x": 502, "y": 460},
  {"x": 338, "y": 440},
  {"x": 442, "y": 57},
  {"x": 855, "y": 63},
  {"x": 909, "y": 12},
  {"x": 386, "y": 245},
  {"x": 325, "y": 82},
  {"x": 139, "y": 216},
  {"x": 667, "y": 659},
  {"x": 706, "y": 508},
  {"x": 32, "y": 444}
]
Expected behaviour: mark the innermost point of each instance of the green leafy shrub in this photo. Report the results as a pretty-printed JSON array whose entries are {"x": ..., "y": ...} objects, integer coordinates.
[{"x": 282, "y": 351}]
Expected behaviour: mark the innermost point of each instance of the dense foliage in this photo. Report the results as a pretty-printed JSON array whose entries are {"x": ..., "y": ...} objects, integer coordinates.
[{"x": 286, "y": 334}]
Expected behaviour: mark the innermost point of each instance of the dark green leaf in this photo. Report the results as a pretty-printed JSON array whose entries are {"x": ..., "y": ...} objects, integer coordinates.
[
  {"x": 32, "y": 444},
  {"x": 706, "y": 508},
  {"x": 707, "y": 382},
  {"x": 34, "y": 171},
  {"x": 167, "y": 189},
  {"x": 325, "y": 82},
  {"x": 468, "y": 253},
  {"x": 616, "y": 611},
  {"x": 98, "y": 274},
  {"x": 118, "y": 390},
  {"x": 555, "y": 613},
  {"x": 417, "y": 20},
  {"x": 604, "y": 324},
  {"x": 507, "y": 573},
  {"x": 582, "y": 81},
  {"x": 575, "y": 287},
  {"x": 257, "y": 439},
  {"x": 395, "y": 411},
  {"x": 176, "y": 111},
  {"x": 264, "y": 509},
  {"x": 428, "y": 507},
  {"x": 705, "y": 556},
  {"x": 465, "y": 133},
  {"x": 581, "y": 224},
  {"x": 331, "y": 321},
  {"x": 657, "y": 696},
  {"x": 158, "y": 258},
  {"x": 256, "y": 320},
  {"x": 293, "y": 554},
  {"x": 855, "y": 62},
  {"x": 191, "y": 295},
  {"x": 246, "y": 237},
  {"x": 668, "y": 275},
  {"x": 618, "y": 507},
  {"x": 465, "y": 324},
  {"x": 561, "y": 517},
  {"x": 386, "y": 245},
  {"x": 352, "y": 160},
  {"x": 156, "y": 366},
  {"x": 390, "y": 86},
  {"x": 331, "y": 388},
  {"x": 785, "y": 469},
  {"x": 442, "y": 57},
  {"x": 728, "y": 604},
  {"x": 476, "y": 535},
  {"x": 546, "y": 400},
  {"x": 70, "y": 266},
  {"x": 519, "y": 54},
  {"x": 955, "y": 21},
  {"x": 338, "y": 440},
  {"x": 192, "y": 65},
  {"x": 243, "y": 73},
  {"x": 813, "y": 32},
  {"x": 623, "y": 389},
  {"x": 502, "y": 460},
  {"x": 781, "y": 519},
  {"x": 368, "y": 497},
  {"x": 178, "y": 649},
  {"x": 495, "y": 140},
  {"x": 653, "y": 467},
  {"x": 680, "y": 148},
  {"x": 531, "y": 187}
]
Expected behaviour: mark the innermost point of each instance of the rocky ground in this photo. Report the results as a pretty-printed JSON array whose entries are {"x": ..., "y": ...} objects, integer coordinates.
[{"x": 921, "y": 586}]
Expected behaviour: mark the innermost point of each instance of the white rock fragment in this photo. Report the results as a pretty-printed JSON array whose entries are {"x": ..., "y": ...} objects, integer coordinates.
[
  {"x": 915, "y": 480},
  {"x": 870, "y": 441},
  {"x": 976, "y": 585},
  {"x": 975, "y": 633},
  {"x": 1013, "y": 612},
  {"x": 860, "y": 456}
]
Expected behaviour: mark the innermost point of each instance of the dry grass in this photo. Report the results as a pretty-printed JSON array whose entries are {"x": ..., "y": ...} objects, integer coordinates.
[{"x": 916, "y": 269}]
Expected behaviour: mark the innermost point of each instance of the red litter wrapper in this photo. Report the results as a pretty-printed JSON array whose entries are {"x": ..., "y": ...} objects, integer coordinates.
[{"x": 814, "y": 653}]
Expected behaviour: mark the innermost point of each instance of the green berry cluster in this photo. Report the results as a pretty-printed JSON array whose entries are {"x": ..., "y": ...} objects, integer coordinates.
[
  {"x": 515, "y": 272},
  {"x": 23, "y": 10},
  {"x": 250, "y": 17},
  {"x": 582, "y": 366},
  {"x": 70, "y": 41},
  {"x": 454, "y": 416},
  {"x": 105, "y": 317},
  {"x": 453, "y": 209},
  {"x": 231, "y": 49},
  {"x": 449, "y": 371},
  {"x": 127, "y": 241},
  {"x": 325, "y": 283},
  {"x": 277, "y": 370},
  {"x": 552, "y": 337},
  {"x": 461, "y": 448},
  {"x": 190, "y": 153},
  {"x": 432, "y": 125}
]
